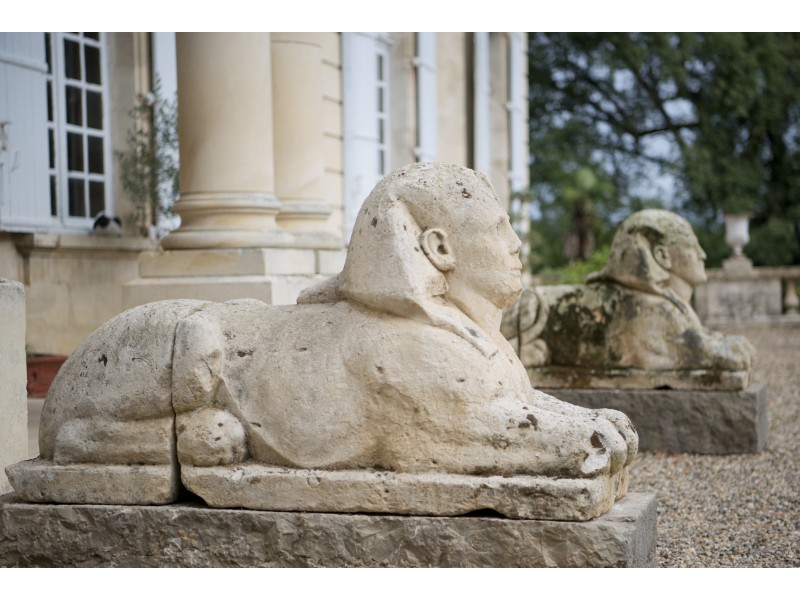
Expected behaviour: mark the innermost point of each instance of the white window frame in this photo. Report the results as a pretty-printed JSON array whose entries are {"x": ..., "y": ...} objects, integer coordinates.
[
  {"x": 62, "y": 128},
  {"x": 367, "y": 155},
  {"x": 427, "y": 103},
  {"x": 518, "y": 173},
  {"x": 482, "y": 150}
]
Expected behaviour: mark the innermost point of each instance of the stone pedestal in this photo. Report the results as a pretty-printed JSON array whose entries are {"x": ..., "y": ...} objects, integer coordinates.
[
  {"x": 272, "y": 275},
  {"x": 692, "y": 421},
  {"x": 13, "y": 409},
  {"x": 191, "y": 535}
]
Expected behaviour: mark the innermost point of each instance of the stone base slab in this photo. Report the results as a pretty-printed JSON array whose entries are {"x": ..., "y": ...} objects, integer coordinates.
[
  {"x": 87, "y": 484},
  {"x": 692, "y": 421},
  {"x": 260, "y": 487},
  {"x": 190, "y": 535}
]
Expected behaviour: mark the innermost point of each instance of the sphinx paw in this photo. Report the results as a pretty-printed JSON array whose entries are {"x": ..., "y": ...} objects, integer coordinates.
[
  {"x": 625, "y": 428},
  {"x": 209, "y": 437}
]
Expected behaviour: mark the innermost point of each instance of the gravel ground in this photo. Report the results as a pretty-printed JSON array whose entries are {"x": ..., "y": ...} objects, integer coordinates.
[{"x": 739, "y": 510}]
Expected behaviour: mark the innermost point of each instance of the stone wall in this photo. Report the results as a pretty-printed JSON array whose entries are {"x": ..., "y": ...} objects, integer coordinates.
[
  {"x": 73, "y": 284},
  {"x": 13, "y": 412}
]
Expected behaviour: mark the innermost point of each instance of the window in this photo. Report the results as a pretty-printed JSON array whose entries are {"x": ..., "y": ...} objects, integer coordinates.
[
  {"x": 77, "y": 132},
  {"x": 482, "y": 95},
  {"x": 427, "y": 113},
  {"x": 381, "y": 87},
  {"x": 517, "y": 109},
  {"x": 365, "y": 97}
]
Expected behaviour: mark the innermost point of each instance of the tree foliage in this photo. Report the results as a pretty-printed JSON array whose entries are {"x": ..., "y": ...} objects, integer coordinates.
[
  {"x": 149, "y": 166},
  {"x": 717, "y": 113}
]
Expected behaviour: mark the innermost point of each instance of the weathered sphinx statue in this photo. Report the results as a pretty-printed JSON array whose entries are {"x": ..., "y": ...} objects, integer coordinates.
[
  {"x": 632, "y": 324},
  {"x": 388, "y": 388}
]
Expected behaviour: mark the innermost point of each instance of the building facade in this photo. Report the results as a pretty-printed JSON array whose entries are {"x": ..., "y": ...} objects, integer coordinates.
[{"x": 282, "y": 136}]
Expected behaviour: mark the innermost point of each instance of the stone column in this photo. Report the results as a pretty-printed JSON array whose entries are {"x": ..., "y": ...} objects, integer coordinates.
[
  {"x": 229, "y": 244},
  {"x": 226, "y": 143},
  {"x": 13, "y": 397},
  {"x": 299, "y": 132}
]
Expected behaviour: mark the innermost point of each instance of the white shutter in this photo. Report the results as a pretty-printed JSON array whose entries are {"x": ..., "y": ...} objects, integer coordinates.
[
  {"x": 427, "y": 117},
  {"x": 517, "y": 113},
  {"x": 361, "y": 83},
  {"x": 165, "y": 62},
  {"x": 483, "y": 125},
  {"x": 24, "y": 187}
]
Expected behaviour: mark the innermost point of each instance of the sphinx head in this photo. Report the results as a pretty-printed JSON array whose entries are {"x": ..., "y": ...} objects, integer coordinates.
[
  {"x": 656, "y": 251},
  {"x": 430, "y": 230}
]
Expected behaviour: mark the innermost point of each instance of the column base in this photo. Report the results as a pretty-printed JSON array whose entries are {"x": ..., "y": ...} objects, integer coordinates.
[
  {"x": 305, "y": 217},
  {"x": 226, "y": 238},
  {"x": 192, "y": 535},
  {"x": 227, "y": 220}
]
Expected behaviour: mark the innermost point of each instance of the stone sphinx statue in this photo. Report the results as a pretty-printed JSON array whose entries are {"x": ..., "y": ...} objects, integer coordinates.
[
  {"x": 388, "y": 388},
  {"x": 632, "y": 324}
]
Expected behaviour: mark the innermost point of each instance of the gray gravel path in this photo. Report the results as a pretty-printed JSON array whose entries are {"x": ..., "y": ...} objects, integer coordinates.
[{"x": 740, "y": 510}]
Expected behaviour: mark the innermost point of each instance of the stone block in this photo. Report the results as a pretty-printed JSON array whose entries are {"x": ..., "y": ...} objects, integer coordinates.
[
  {"x": 214, "y": 289},
  {"x": 330, "y": 262},
  {"x": 227, "y": 262},
  {"x": 442, "y": 494},
  {"x": 13, "y": 410},
  {"x": 271, "y": 289},
  {"x": 692, "y": 421},
  {"x": 69, "y": 484},
  {"x": 192, "y": 535},
  {"x": 289, "y": 261},
  {"x": 286, "y": 289}
]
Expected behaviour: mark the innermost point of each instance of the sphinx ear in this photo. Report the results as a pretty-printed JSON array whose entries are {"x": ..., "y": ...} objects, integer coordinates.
[
  {"x": 661, "y": 254},
  {"x": 437, "y": 248}
]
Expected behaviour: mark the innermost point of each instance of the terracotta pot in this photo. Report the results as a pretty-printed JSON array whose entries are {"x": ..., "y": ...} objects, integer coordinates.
[{"x": 42, "y": 369}]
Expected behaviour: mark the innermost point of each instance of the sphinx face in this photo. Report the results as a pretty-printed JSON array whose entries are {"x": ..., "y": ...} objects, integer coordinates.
[
  {"x": 688, "y": 260},
  {"x": 487, "y": 256}
]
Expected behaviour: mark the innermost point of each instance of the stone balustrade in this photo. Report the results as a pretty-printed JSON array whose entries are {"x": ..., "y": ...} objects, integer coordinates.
[{"x": 740, "y": 292}]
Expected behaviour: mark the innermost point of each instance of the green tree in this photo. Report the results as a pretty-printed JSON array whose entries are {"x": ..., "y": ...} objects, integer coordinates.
[
  {"x": 719, "y": 112},
  {"x": 149, "y": 166}
]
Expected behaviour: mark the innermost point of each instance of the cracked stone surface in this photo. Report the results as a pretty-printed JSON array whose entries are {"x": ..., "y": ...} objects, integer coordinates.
[{"x": 189, "y": 535}]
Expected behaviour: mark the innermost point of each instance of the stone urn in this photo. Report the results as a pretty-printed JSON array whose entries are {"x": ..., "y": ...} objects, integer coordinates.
[{"x": 737, "y": 231}]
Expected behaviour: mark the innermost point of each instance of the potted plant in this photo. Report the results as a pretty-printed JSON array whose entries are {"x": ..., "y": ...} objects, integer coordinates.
[
  {"x": 149, "y": 166},
  {"x": 42, "y": 369}
]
